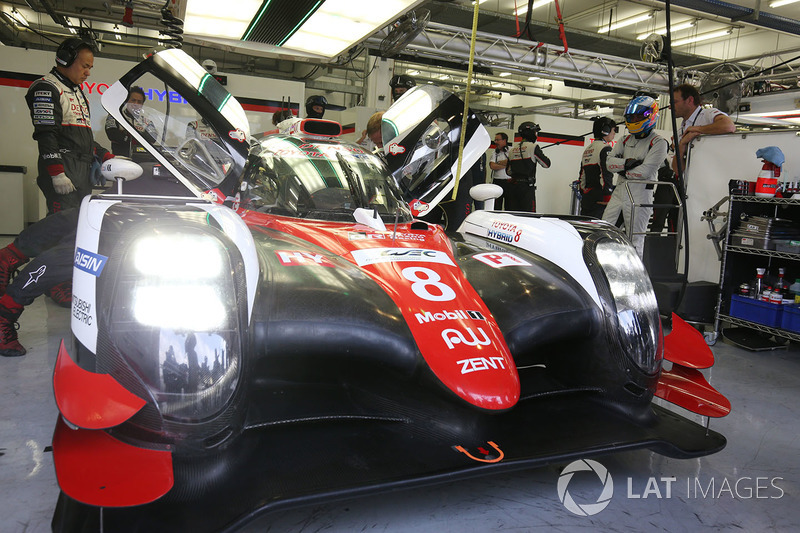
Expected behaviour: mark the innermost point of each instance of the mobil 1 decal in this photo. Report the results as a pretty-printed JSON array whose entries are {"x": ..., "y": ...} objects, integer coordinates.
[{"x": 454, "y": 330}]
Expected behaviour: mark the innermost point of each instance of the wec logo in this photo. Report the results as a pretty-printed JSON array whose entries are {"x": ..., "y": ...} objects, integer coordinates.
[{"x": 89, "y": 262}]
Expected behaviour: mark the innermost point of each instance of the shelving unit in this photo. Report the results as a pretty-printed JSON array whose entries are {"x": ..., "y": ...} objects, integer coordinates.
[{"x": 739, "y": 263}]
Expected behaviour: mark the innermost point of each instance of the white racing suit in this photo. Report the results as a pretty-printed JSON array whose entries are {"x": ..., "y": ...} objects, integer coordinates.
[{"x": 651, "y": 151}]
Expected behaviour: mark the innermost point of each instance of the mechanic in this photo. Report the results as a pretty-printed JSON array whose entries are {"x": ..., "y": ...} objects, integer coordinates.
[
  {"x": 52, "y": 242},
  {"x": 522, "y": 161},
  {"x": 697, "y": 121},
  {"x": 594, "y": 177},
  {"x": 636, "y": 158},
  {"x": 62, "y": 127},
  {"x": 280, "y": 116},
  {"x": 122, "y": 143},
  {"x": 315, "y": 106},
  {"x": 373, "y": 132},
  {"x": 400, "y": 83},
  {"x": 498, "y": 164}
]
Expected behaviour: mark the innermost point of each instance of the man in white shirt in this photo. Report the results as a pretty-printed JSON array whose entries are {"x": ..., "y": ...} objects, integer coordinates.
[
  {"x": 498, "y": 164},
  {"x": 697, "y": 121}
]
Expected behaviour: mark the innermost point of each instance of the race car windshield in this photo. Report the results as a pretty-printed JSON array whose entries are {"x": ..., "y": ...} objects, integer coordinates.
[{"x": 319, "y": 179}]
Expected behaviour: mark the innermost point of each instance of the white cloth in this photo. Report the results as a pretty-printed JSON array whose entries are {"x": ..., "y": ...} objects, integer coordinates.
[{"x": 651, "y": 151}]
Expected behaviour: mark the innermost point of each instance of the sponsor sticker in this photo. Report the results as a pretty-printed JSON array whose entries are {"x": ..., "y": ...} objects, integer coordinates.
[
  {"x": 89, "y": 262},
  {"x": 372, "y": 256},
  {"x": 500, "y": 259},
  {"x": 457, "y": 314},
  {"x": 301, "y": 258},
  {"x": 362, "y": 235},
  {"x": 45, "y": 94}
]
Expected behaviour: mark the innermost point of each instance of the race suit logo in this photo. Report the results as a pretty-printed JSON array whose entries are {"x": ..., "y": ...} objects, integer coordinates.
[
  {"x": 89, "y": 262},
  {"x": 500, "y": 259},
  {"x": 453, "y": 336},
  {"x": 34, "y": 276},
  {"x": 372, "y": 256}
]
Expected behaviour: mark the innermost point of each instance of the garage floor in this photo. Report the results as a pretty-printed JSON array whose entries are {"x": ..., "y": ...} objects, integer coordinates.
[{"x": 752, "y": 485}]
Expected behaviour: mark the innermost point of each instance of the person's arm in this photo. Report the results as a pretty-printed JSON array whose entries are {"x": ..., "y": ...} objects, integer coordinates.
[
  {"x": 606, "y": 175},
  {"x": 722, "y": 124},
  {"x": 498, "y": 165},
  {"x": 614, "y": 160},
  {"x": 44, "y": 102},
  {"x": 114, "y": 132},
  {"x": 539, "y": 156},
  {"x": 648, "y": 169}
]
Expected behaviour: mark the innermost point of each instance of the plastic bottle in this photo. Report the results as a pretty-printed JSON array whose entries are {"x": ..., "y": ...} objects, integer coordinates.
[
  {"x": 794, "y": 289},
  {"x": 780, "y": 284},
  {"x": 757, "y": 286}
]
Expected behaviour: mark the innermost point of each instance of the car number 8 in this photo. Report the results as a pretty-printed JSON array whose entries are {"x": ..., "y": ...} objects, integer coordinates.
[{"x": 421, "y": 285}]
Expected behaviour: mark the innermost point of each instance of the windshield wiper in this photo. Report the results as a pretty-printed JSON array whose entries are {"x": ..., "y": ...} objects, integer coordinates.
[{"x": 353, "y": 181}]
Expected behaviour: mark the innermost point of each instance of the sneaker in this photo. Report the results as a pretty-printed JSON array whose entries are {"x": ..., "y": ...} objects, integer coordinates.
[
  {"x": 9, "y": 345},
  {"x": 61, "y": 294},
  {"x": 10, "y": 260}
]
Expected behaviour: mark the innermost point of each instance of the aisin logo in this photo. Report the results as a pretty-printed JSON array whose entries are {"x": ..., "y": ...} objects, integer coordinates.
[{"x": 586, "y": 509}]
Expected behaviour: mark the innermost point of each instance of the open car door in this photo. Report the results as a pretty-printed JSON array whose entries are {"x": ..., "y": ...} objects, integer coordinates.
[
  {"x": 189, "y": 122},
  {"x": 421, "y": 134}
]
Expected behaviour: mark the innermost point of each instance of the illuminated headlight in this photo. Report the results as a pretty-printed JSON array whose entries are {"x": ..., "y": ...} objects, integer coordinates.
[
  {"x": 635, "y": 302},
  {"x": 175, "y": 320}
]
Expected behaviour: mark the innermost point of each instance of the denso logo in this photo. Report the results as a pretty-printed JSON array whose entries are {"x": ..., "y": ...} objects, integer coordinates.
[
  {"x": 453, "y": 336},
  {"x": 458, "y": 314},
  {"x": 477, "y": 364},
  {"x": 89, "y": 262}
]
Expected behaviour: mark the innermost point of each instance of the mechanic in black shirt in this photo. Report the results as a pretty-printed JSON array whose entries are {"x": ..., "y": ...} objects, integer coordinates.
[
  {"x": 62, "y": 127},
  {"x": 595, "y": 178}
]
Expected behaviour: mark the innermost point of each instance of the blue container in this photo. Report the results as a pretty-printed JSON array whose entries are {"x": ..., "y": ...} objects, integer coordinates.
[
  {"x": 756, "y": 311},
  {"x": 791, "y": 318}
]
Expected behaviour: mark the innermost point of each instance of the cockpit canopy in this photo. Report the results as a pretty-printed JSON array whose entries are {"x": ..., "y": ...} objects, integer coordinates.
[{"x": 316, "y": 178}]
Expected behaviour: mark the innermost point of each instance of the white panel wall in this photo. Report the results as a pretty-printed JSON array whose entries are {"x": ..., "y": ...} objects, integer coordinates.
[
  {"x": 714, "y": 161},
  {"x": 18, "y": 148}
]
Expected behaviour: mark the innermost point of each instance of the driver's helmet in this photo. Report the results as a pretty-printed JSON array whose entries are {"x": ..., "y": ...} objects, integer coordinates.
[
  {"x": 400, "y": 83},
  {"x": 315, "y": 100},
  {"x": 641, "y": 115}
]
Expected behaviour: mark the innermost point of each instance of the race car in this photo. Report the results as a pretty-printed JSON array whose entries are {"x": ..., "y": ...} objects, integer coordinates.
[{"x": 290, "y": 332}]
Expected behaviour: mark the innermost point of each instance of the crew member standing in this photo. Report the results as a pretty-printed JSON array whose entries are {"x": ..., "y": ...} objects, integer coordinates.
[
  {"x": 636, "y": 158},
  {"x": 594, "y": 177},
  {"x": 499, "y": 165},
  {"x": 62, "y": 127},
  {"x": 522, "y": 161},
  {"x": 697, "y": 121}
]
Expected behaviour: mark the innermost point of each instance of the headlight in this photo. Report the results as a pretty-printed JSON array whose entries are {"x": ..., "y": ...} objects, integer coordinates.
[
  {"x": 635, "y": 302},
  {"x": 175, "y": 320}
]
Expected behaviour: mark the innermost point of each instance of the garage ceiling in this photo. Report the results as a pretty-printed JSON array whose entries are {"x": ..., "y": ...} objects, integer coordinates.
[{"x": 737, "y": 32}]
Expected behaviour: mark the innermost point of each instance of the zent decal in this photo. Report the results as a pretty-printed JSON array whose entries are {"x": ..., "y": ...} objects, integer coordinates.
[{"x": 500, "y": 259}]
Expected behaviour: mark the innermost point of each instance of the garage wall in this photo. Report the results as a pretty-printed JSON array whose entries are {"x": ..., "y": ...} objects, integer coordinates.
[
  {"x": 714, "y": 161},
  {"x": 18, "y": 148}
]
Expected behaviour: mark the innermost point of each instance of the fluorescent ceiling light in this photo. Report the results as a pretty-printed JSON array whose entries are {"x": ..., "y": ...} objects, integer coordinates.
[
  {"x": 413, "y": 73},
  {"x": 338, "y": 24},
  {"x": 663, "y": 31},
  {"x": 504, "y": 74},
  {"x": 703, "y": 37},
  {"x": 536, "y": 4},
  {"x": 779, "y": 3},
  {"x": 204, "y": 17},
  {"x": 626, "y": 22},
  {"x": 533, "y": 78}
]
